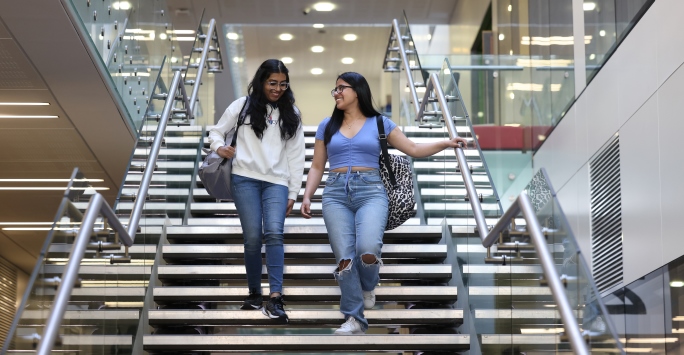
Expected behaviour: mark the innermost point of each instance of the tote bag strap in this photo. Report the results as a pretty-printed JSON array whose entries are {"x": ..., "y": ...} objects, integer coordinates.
[
  {"x": 241, "y": 120},
  {"x": 383, "y": 145}
]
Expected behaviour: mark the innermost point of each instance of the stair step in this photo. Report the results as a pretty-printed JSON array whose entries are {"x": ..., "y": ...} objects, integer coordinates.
[
  {"x": 402, "y": 234},
  {"x": 305, "y": 294},
  {"x": 389, "y": 251},
  {"x": 232, "y": 272},
  {"x": 104, "y": 272},
  {"x": 104, "y": 294},
  {"x": 84, "y": 317},
  {"x": 308, "y": 317},
  {"x": 299, "y": 343}
]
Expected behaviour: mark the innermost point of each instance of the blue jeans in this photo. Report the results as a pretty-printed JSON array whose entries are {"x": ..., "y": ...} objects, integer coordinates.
[
  {"x": 355, "y": 214},
  {"x": 261, "y": 206}
]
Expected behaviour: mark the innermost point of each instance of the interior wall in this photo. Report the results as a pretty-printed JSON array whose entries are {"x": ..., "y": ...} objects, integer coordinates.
[
  {"x": 636, "y": 95},
  {"x": 313, "y": 96}
]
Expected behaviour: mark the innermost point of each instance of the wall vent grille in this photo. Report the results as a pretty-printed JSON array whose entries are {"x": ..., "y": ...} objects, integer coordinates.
[
  {"x": 8, "y": 299},
  {"x": 606, "y": 216}
]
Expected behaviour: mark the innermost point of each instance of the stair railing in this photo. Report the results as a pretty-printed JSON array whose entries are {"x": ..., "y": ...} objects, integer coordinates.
[
  {"x": 97, "y": 206},
  {"x": 523, "y": 203}
]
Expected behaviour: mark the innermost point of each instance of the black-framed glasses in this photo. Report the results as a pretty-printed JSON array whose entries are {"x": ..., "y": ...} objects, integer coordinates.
[
  {"x": 274, "y": 84},
  {"x": 338, "y": 89}
]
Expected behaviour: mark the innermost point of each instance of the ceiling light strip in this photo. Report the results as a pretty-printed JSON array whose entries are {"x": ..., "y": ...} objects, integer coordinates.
[
  {"x": 24, "y": 104},
  {"x": 26, "y": 116}
]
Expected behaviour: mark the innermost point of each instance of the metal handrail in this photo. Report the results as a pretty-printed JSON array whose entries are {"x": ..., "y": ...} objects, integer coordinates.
[
  {"x": 404, "y": 59},
  {"x": 523, "y": 204},
  {"x": 200, "y": 68},
  {"x": 96, "y": 206}
]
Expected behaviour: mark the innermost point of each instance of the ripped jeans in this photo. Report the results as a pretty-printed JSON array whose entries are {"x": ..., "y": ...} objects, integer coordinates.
[{"x": 355, "y": 214}]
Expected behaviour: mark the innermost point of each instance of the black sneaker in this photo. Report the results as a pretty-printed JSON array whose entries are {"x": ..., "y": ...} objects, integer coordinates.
[
  {"x": 274, "y": 309},
  {"x": 253, "y": 301}
]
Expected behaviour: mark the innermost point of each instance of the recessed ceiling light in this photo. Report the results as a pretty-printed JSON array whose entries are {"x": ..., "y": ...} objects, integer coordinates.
[
  {"x": 317, "y": 49},
  {"x": 589, "y": 6},
  {"x": 26, "y": 116},
  {"x": 286, "y": 60},
  {"x": 163, "y": 36},
  {"x": 347, "y": 60},
  {"x": 318, "y": 25},
  {"x": 316, "y": 71},
  {"x": 324, "y": 6},
  {"x": 285, "y": 36},
  {"x": 121, "y": 5},
  {"x": 232, "y": 35},
  {"x": 183, "y": 39},
  {"x": 24, "y": 104},
  {"x": 350, "y": 37}
]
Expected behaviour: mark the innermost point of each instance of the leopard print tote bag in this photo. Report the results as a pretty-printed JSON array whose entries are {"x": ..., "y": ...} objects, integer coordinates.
[{"x": 396, "y": 175}]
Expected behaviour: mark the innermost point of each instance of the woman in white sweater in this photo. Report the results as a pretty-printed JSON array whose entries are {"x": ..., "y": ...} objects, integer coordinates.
[{"x": 266, "y": 176}]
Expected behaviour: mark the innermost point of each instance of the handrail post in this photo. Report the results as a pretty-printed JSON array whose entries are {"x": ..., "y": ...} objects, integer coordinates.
[
  {"x": 200, "y": 69},
  {"x": 462, "y": 163},
  {"x": 404, "y": 59},
  {"x": 569, "y": 321},
  {"x": 136, "y": 212},
  {"x": 69, "y": 276}
]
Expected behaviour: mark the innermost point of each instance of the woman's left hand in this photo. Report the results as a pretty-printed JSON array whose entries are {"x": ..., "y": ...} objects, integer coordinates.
[
  {"x": 290, "y": 204},
  {"x": 457, "y": 142}
]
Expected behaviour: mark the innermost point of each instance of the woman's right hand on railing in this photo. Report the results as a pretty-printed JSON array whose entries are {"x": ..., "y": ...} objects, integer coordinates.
[{"x": 226, "y": 152}]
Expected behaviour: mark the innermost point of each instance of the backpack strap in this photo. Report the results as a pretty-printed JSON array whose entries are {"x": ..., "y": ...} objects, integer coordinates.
[
  {"x": 241, "y": 120},
  {"x": 383, "y": 146}
]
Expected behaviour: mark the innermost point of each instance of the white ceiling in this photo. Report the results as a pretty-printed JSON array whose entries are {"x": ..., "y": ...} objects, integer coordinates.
[{"x": 261, "y": 21}]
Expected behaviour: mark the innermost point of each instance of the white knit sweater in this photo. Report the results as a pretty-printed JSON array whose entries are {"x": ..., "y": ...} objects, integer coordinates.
[{"x": 270, "y": 159}]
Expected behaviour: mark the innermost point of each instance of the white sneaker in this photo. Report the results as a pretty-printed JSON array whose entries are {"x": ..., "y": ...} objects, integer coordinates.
[
  {"x": 351, "y": 326},
  {"x": 368, "y": 299}
]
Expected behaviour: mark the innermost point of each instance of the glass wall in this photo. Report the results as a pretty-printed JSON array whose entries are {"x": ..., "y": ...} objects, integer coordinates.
[
  {"x": 648, "y": 312},
  {"x": 132, "y": 38},
  {"x": 606, "y": 24},
  {"x": 519, "y": 79}
]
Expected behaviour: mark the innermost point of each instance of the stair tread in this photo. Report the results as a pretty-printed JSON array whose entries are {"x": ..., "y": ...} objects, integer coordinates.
[
  {"x": 305, "y": 293},
  {"x": 305, "y": 342},
  {"x": 331, "y": 317}
]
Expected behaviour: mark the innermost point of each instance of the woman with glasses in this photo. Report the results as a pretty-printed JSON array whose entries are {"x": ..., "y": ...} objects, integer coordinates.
[
  {"x": 266, "y": 176},
  {"x": 354, "y": 199}
]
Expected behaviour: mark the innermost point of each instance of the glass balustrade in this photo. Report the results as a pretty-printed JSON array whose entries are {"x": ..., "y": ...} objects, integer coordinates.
[
  {"x": 131, "y": 38},
  {"x": 100, "y": 288}
]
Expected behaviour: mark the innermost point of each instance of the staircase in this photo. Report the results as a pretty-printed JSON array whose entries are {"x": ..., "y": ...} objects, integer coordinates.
[{"x": 202, "y": 284}]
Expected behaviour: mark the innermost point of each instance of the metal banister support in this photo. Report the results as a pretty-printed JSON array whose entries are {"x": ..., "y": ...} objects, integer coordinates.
[
  {"x": 70, "y": 275},
  {"x": 462, "y": 163},
  {"x": 407, "y": 67},
  {"x": 523, "y": 204},
  {"x": 200, "y": 68},
  {"x": 97, "y": 206},
  {"x": 136, "y": 212},
  {"x": 557, "y": 290}
]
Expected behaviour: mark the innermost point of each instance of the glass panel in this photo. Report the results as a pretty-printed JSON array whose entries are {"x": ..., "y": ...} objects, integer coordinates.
[
  {"x": 82, "y": 325},
  {"x": 132, "y": 39},
  {"x": 606, "y": 24},
  {"x": 580, "y": 288}
]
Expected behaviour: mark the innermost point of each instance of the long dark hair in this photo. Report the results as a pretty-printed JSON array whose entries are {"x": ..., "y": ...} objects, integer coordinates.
[
  {"x": 359, "y": 84},
  {"x": 289, "y": 120}
]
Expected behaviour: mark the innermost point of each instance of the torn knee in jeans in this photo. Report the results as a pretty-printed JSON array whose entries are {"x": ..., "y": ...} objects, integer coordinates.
[
  {"x": 370, "y": 259},
  {"x": 344, "y": 265}
]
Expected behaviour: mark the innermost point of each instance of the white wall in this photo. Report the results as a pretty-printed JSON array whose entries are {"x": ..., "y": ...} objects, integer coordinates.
[{"x": 638, "y": 95}]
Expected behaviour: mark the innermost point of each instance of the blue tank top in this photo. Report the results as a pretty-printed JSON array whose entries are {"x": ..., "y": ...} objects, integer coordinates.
[{"x": 361, "y": 150}]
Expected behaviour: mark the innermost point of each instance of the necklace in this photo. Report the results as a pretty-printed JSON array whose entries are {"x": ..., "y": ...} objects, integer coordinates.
[{"x": 350, "y": 125}]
